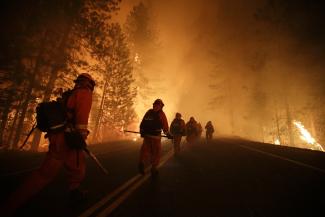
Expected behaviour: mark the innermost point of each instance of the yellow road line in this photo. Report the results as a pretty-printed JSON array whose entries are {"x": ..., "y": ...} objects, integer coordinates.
[
  {"x": 133, "y": 181},
  {"x": 107, "y": 198},
  {"x": 107, "y": 211}
]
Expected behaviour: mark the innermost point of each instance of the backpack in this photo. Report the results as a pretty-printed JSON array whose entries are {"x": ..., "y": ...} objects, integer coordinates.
[
  {"x": 151, "y": 124},
  {"x": 52, "y": 116},
  {"x": 191, "y": 128},
  {"x": 176, "y": 127}
]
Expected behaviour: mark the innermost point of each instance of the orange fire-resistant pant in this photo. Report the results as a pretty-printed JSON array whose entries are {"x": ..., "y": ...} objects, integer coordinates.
[
  {"x": 58, "y": 155},
  {"x": 208, "y": 136},
  {"x": 177, "y": 143},
  {"x": 191, "y": 138},
  {"x": 150, "y": 151}
]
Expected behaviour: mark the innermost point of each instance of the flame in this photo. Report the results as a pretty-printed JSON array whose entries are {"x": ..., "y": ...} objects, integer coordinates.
[
  {"x": 306, "y": 136},
  {"x": 277, "y": 142},
  {"x": 137, "y": 58}
]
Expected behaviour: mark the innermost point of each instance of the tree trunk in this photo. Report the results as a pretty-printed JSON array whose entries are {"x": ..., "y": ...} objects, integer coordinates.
[
  {"x": 231, "y": 109},
  {"x": 55, "y": 69},
  {"x": 29, "y": 91},
  {"x": 289, "y": 123},
  {"x": 12, "y": 130},
  {"x": 277, "y": 124},
  {"x": 4, "y": 118},
  {"x": 100, "y": 111}
]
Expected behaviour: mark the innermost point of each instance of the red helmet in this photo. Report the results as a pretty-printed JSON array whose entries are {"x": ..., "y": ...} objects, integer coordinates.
[
  {"x": 158, "y": 101},
  {"x": 86, "y": 76}
]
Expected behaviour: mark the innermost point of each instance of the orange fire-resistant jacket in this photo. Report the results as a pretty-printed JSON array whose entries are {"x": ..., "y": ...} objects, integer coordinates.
[
  {"x": 79, "y": 105},
  {"x": 164, "y": 122}
]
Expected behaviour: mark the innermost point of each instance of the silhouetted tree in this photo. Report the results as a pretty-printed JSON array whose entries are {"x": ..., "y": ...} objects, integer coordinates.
[
  {"x": 116, "y": 104},
  {"x": 141, "y": 36}
]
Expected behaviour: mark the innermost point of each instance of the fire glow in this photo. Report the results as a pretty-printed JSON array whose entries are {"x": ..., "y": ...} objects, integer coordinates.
[
  {"x": 277, "y": 142},
  {"x": 305, "y": 135}
]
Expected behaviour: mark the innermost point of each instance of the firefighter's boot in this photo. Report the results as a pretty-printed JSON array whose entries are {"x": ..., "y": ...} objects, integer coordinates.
[{"x": 77, "y": 196}]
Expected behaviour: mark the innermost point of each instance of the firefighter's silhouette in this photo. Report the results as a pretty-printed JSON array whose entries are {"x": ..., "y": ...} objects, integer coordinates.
[
  {"x": 153, "y": 122},
  {"x": 177, "y": 129},
  {"x": 60, "y": 154},
  {"x": 209, "y": 130},
  {"x": 191, "y": 130}
]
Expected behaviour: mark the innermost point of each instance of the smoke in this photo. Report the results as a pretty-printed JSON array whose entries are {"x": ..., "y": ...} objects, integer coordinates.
[{"x": 235, "y": 62}]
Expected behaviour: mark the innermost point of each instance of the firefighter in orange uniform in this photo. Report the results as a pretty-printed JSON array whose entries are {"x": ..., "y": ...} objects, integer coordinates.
[
  {"x": 59, "y": 153},
  {"x": 150, "y": 128},
  {"x": 209, "y": 129},
  {"x": 177, "y": 129},
  {"x": 191, "y": 131}
]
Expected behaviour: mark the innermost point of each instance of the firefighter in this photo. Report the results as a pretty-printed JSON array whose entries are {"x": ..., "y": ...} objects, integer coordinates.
[
  {"x": 177, "y": 129},
  {"x": 150, "y": 128},
  {"x": 59, "y": 153},
  {"x": 209, "y": 130},
  {"x": 191, "y": 130}
]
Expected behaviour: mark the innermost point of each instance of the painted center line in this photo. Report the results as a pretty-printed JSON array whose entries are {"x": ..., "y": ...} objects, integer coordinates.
[{"x": 122, "y": 192}]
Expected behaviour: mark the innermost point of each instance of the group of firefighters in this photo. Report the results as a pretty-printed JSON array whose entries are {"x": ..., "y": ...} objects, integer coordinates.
[
  {"x": 192, "y": 130},
  {"x": 60, "y": 154},
  {"x": 155, "y": 121}
]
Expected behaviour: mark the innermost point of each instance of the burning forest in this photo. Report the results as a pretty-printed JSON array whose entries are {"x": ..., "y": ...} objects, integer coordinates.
[{"x": 253, "y": 68}]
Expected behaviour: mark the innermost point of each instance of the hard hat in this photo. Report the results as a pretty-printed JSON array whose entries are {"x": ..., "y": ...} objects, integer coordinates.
[
  {"x": 158, "y": 101},
  {"x": 86, "y": 76}
]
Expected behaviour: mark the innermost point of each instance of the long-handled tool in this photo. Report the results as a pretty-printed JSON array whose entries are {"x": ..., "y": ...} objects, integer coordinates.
[
  {"x": 92, "y": 156},
  {"x": 28, "y": 135},
  {"x": 136, "y": 132}
]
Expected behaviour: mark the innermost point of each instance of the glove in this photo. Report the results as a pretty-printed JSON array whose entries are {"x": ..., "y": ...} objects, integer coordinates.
[
  {"x": 84, "y": 133},
  {"x": 141, "y": 133},
  {"x": 169, "y": 136}
]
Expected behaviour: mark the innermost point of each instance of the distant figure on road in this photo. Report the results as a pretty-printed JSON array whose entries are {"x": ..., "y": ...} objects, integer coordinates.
[
  {"x": 60, "y": 153},
  {"x": 150, "y": 128},
  {"x": 191, "y": 130},
  {"x": 209, "y": 130},
  {"x": 177, "y": 129}
]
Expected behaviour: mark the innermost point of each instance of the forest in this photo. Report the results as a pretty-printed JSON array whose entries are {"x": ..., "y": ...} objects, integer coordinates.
[
  {"x": 46, "y": 44},
  {"x": 255, "y": 68}
]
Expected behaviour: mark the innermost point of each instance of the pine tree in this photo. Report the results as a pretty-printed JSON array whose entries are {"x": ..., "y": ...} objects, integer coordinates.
[
  {"x": 142, "y": 38},
  {"x": 116, "y": 107},
  {"x": 50, "y": 38}
]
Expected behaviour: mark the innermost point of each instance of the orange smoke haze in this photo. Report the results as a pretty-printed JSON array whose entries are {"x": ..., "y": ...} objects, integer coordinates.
[{"x": 256, "y": 65}]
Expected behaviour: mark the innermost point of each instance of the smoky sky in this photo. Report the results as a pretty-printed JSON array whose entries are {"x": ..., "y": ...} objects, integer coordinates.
[{"x": 236, "y": 59}]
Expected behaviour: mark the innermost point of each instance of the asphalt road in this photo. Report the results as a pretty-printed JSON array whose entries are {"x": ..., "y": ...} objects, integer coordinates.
[{"x": 228, "y": 177}]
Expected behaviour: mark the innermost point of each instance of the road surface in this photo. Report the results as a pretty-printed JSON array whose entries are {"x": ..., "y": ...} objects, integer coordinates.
[{"x": 227, "y": 177}]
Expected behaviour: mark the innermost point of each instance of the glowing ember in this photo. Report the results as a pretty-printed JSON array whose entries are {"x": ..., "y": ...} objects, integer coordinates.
[
  {"x": 277, "y": 142},
  {"x": 305, "y": 135},
  {"x": 137, "y": 58}
]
